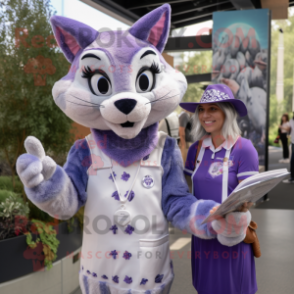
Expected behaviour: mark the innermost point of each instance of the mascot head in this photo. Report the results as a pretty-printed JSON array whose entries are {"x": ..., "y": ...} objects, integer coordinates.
[{"x": 118, "y": 80}]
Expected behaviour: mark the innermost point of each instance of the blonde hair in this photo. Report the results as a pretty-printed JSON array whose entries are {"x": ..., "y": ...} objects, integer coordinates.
[{"x": 230, "y": 130}]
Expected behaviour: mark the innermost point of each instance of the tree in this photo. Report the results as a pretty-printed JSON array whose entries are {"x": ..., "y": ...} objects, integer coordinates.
[
  {"x": 30, "y": 64},
  {"x": 197, "y": 63},
  {"x": 277, "y": 109}
]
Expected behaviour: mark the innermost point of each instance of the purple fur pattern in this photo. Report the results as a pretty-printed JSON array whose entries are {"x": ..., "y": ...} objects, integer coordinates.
[
  {"x": 81, "y": 33},
  {"x": 143, "y": 27},
  {"x": 117, "y": 148},
  {"x": 128, "y": 280},
  {"x": 125, "y": 176}
]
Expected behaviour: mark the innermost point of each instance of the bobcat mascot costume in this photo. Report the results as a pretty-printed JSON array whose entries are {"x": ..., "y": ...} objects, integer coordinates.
[{"x": 128, "y": 176}]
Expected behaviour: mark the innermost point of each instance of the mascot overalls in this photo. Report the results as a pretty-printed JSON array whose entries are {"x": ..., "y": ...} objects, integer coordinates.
[{"x": 128, "y": 176}]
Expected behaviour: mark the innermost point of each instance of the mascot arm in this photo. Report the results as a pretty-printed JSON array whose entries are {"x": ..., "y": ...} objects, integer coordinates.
[
  {"x": 180, "y": 207},
  {"x": 185, "y": 212},
  {"x": 64, "y": 192}
]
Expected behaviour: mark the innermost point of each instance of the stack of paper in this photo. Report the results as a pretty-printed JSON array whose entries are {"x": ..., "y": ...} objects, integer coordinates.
[{"x": 249, "y": 190}]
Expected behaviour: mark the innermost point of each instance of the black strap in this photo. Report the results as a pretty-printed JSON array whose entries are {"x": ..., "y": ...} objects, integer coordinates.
[{"x": 168, "y": 128}]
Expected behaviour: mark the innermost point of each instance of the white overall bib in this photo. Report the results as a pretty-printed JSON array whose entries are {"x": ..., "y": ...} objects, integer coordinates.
[{"x": 125, "y": 239}]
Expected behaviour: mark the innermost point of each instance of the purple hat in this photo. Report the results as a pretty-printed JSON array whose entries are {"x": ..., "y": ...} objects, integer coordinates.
[{"x": 215, "y": 94}]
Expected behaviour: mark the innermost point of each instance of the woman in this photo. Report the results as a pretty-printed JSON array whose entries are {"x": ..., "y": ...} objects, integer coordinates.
[
  {"x": 218, "y": 269},
  {"x": 284, "y": 128}
]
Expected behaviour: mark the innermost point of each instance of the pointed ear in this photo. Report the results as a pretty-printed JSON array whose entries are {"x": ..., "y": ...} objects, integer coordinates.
[
  {"x": 154, "y": 27},
  {"x": 71, "y": 35}
]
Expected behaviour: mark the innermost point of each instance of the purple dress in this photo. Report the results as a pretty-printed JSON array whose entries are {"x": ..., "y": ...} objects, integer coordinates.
[{"x": 218, "y": 269}]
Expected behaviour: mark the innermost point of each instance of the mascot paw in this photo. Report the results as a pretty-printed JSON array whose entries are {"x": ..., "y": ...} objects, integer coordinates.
[
  {"x": 34, "y": 167},
  {"x": 231, "y": 230}
]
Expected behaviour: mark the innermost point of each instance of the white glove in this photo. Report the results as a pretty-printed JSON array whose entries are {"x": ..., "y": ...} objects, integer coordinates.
[
  {"x": 231, "y": 229},
  {"x": 34, "y": 167}
]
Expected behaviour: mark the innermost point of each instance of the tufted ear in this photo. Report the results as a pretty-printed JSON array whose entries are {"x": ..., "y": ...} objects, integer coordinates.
[
  {"x": 72, "y": 35},
  {"x": 153, "y": 27}
]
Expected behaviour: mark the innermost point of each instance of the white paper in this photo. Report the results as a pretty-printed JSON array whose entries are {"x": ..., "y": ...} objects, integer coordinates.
[{"x": 249, "y": 190}]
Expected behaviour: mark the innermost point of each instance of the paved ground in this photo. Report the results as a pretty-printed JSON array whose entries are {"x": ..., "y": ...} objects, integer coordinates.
[
  {"x": 275, "y": 218},
  {"x": 282, "y": 196}
]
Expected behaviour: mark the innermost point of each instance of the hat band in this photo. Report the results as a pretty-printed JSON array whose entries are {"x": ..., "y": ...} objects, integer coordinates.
[{"x": 214, "y": 96}]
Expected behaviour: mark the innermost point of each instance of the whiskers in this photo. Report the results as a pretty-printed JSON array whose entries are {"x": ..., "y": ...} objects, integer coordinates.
[
  {"x": 91, "y": 103},
  {"x": 162, "y": 98}
]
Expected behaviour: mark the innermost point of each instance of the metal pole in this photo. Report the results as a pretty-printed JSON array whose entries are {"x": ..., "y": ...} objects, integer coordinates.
[
  {"x": 265, "y": 198},
  {"x": 62, "y": 7}
]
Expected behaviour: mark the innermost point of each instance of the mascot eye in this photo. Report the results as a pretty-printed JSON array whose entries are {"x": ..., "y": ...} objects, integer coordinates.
[
  {"x": 100, "y": 85},
  {"x": 144, "y": 81}
]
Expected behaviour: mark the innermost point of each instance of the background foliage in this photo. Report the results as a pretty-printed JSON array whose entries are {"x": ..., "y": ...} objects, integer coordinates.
[{"x": 28, "y": 70}]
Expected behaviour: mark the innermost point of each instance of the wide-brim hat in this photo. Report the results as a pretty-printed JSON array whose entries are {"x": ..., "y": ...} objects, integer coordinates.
[{"x": 217, "y": 93}]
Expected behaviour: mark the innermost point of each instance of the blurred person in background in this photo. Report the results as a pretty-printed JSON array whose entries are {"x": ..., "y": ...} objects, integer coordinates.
[
  {"x": 291, "y": 179},
  {"x": 284, "y": 129}
]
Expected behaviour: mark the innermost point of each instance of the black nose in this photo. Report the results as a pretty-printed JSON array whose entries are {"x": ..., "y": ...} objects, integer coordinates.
[{"x": 125, "y": 105}]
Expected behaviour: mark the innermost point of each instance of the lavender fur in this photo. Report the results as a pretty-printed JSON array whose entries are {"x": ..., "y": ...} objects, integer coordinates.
[
  {"x": 176, "y": 199},
  {"x": 118, "y": 148},
  {"x": 104, "y": 288},
  {"x": 86, "y": 284},
  {"x": 83, "y": 34},
  {"x": 74, "y": 67},
  {"x": 122, "y": 52},
  {"x": 141, "y": 29},
  {"x": 202, "y": 211}
]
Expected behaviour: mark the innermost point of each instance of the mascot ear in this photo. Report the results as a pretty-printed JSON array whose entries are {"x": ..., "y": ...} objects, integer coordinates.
[
  {"x": 153, "y": 27},
  {"x": 71, "y": 35}
]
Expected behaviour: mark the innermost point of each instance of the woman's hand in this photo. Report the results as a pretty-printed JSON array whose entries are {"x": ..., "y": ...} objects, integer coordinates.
[
  {"x": 213, "y": 209},
  {"x": 243, "y": 208}
]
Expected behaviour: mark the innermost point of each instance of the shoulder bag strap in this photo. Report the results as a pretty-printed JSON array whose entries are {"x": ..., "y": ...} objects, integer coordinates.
[{"x": 198, "y": 150}]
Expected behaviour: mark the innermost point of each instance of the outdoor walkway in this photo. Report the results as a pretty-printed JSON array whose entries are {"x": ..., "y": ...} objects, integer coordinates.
[{"x": 275, "y": 220}]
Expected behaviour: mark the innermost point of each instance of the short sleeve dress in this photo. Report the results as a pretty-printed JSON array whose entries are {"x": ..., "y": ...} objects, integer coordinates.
[{"x": 219, "y": 269}]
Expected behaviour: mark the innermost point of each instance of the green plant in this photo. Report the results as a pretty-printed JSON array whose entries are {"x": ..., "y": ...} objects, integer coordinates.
[
  {"x": 7, "y": 184},
  {"x": 70, "y": 224},
  {"x": 13, "y": 206},
  {"x": 47, "y": 236},
  {"x": 195, "y": 63},
  {"x": 13, "y": 215},
  {"x": 30, "y": 64},
  {"x": 37, "y": 213}
]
